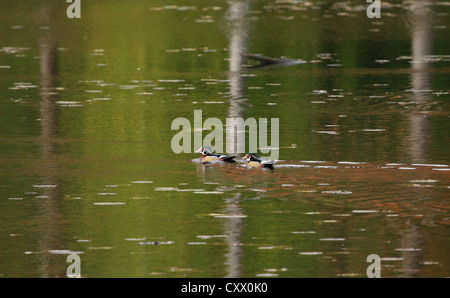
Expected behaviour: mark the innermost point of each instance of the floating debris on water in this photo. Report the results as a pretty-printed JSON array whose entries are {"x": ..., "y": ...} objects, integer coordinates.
[
  {"x": 338, "y": 192},
  {"x": 325, "y": 167},
  {"x": 320, "y": 91},
  {"x": 170, "y": 81},
  {"x": 326, "y": 221},
  {"x": 330, "y": 132},
  {"x": 348, "y": 274},
  {"x": 45, "y": 185},
  {"x": 373, "y": 129},
  {"x": 128, "y": 87},
  {"x": 168, "y": 188},
  {"x": 211, "y": 236},
  {"x": 429, "y": 263},
  {"x": 257, "y": 190},
  {"x": 218, "y": 215},
  {"x": 292, "y": 166},
  {"x": 68, "y": 104},
  {"x": 424, "y": 181},
  {"x": 156, "y": 242},
  {"x": 391, "y": 259},
  {"x": 101, "y": 99},
  {"x": 429, "y": 165},
  {"x": 408, "y": 249},
  {"x": 64, "y": 252},
  {"x": 141, "y": 182},
  {"x": 267, "y": 274},
  {"x": 108, "y": 203}
]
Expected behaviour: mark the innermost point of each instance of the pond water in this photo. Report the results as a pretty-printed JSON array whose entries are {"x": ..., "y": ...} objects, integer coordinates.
[{"x": 87, "y": 167}]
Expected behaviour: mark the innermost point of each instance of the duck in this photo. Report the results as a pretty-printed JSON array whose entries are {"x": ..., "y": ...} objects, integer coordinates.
[
  {"x": 209, "y": 155},
  {"x": 253, "y": 160}
]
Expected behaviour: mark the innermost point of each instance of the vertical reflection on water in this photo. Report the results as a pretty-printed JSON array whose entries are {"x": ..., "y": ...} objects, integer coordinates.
[
  {"x": 420, "y": 19},
  {"x": 232, "y": 221},
  {"x": 233, "y": 227},
  {"x": 50, "y": 237},
  {"x": 238, "y": 38}
]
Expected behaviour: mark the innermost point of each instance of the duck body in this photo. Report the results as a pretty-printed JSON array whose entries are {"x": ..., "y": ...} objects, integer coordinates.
[
  {"x": 208, "y": 155},
  {"x": 254, "y": 161}
]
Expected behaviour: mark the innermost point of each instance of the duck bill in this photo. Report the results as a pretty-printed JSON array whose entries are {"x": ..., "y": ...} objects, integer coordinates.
[{"x": 199, "y": 150}]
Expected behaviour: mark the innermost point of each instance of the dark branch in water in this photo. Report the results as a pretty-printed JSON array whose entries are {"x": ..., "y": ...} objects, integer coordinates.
[{"x": 268, "y": 61}]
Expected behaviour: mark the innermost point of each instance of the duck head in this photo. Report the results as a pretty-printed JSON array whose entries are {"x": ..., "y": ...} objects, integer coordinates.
[
  {"x": 251, "y": 157},
  {"x": 205, "y": 150}
]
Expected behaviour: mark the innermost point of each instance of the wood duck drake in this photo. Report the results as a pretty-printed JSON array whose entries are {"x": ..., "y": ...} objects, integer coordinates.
[
  {"x": 209, "y": 155},
  {"x": 253, "y": 160}
]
